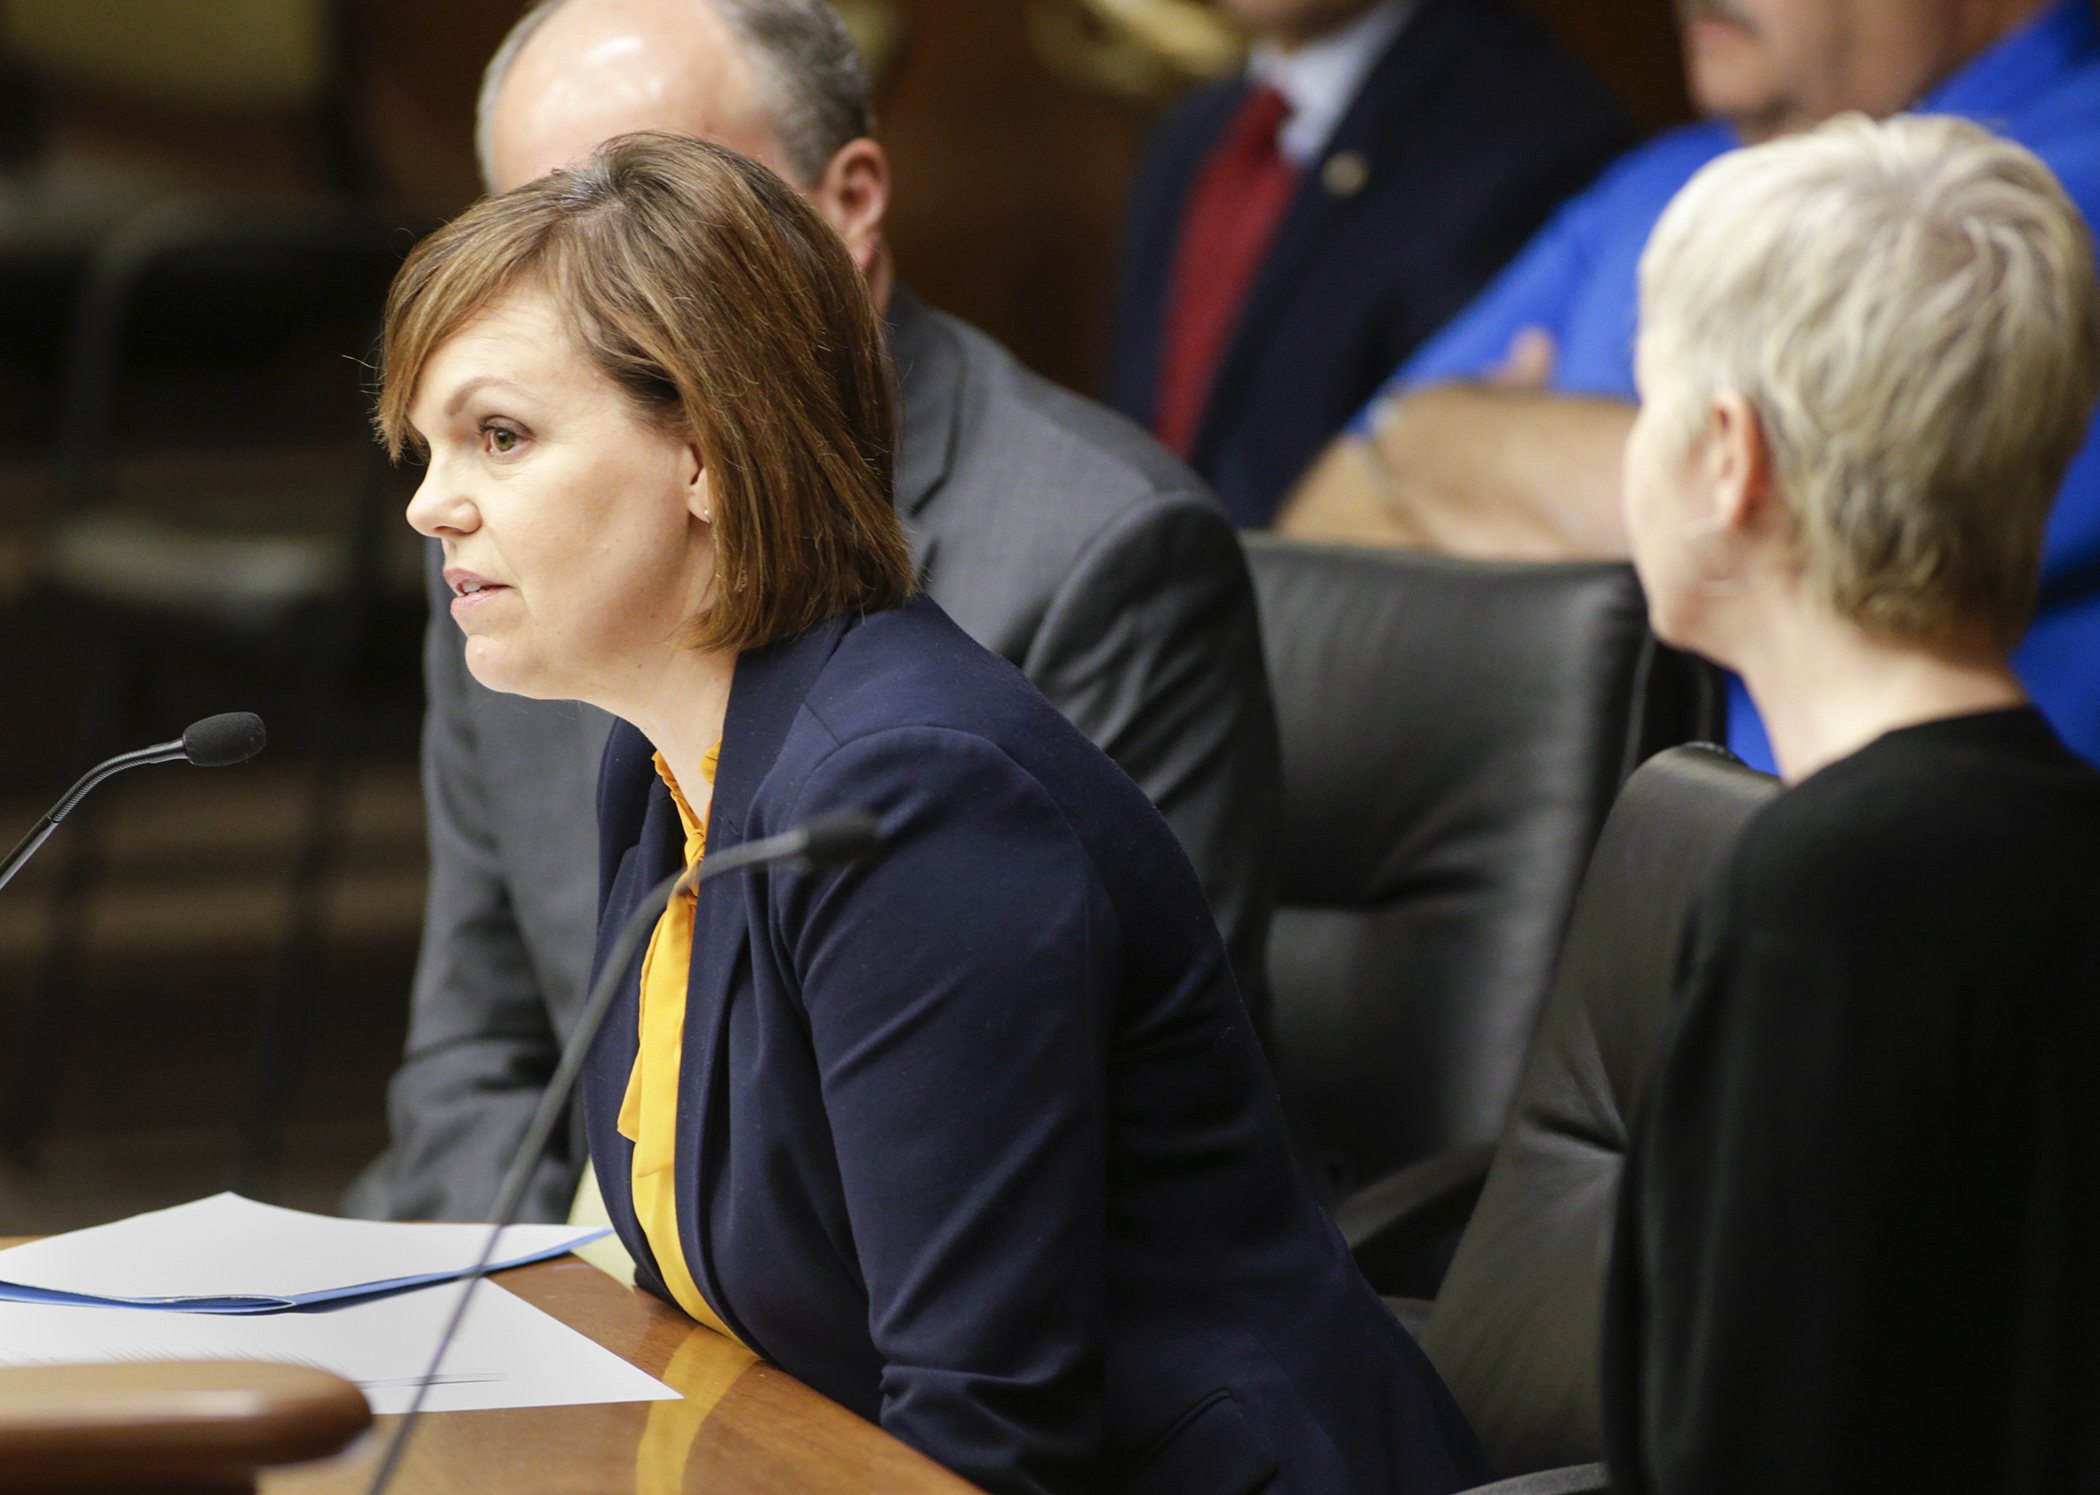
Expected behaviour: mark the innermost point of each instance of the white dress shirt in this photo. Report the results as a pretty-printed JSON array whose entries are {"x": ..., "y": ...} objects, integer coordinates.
[{"x": 1320, "y": 79}]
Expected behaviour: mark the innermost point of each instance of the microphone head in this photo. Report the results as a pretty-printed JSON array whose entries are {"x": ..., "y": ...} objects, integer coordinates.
[
  {"x": 838, "y": 837},
  {"x": 224, "y": 740}
]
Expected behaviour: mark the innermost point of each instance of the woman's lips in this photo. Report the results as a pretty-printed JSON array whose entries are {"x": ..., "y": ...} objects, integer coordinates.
[{"x": 470, "y": 591}]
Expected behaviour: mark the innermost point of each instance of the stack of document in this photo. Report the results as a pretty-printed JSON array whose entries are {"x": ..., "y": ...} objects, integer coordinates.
[
  {"x": 227, "y": 1254},
  {"x": 227, "y": 1278}
]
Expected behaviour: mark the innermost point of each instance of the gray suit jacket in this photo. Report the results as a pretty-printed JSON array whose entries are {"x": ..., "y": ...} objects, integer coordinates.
[{"x": 1053, "y": 531}]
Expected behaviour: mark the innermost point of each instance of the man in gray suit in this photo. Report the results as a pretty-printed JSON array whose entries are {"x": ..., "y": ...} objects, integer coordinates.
[{"x": 1052, "y": 530}]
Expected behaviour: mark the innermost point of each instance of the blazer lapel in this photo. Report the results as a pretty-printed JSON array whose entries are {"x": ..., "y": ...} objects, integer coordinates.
[
  {"x": 721, "y": 936},
  {"x": 652, "y": 856},
  {"x": 1152, "y": 230},
  {"x": 770, "y": 686}
]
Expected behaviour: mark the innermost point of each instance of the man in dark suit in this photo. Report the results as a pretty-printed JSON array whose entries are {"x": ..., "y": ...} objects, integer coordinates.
[
  {"x": 1296, "y": 231},
  {"x": 1048, "y": 528}
]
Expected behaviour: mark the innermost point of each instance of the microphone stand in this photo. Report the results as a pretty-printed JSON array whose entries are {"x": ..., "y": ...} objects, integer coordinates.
[
  {"x": 216, "y": 742},
  {"x": 824, "y": 840},
  {"x": 162, "y": 752}
]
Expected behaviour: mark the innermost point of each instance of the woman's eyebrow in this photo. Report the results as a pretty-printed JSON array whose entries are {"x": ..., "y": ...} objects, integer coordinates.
[{"x": 474, "y": 386}]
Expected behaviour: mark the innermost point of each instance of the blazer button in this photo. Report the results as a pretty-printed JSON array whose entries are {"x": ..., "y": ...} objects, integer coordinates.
[{"x": 1345, "y": 173}]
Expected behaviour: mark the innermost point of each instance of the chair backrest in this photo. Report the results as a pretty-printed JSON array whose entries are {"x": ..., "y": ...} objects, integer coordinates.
[
  {"x": 218, "y": 462},
  {"x": 1453, "y": 734},
  {"x": 241, "y": 324},
  {"x": 1516, "y": 1329}
]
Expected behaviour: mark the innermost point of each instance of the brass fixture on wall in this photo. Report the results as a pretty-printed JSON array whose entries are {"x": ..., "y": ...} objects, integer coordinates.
[{"x": 1140, "y": 51}]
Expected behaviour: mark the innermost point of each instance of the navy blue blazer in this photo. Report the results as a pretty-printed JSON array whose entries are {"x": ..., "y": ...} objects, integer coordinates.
[
  {"x": 974, "y": 1136},
  {"x": 1472, "y": 127}
]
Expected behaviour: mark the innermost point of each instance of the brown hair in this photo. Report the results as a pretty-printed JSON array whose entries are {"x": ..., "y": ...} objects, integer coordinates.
[{"x": 729, "y": 312}]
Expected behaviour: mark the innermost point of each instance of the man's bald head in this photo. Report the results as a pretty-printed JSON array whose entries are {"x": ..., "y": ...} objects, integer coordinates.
[{"x": 776, "y": 79}]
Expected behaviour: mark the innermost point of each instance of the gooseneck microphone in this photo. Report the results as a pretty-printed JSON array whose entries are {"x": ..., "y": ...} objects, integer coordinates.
[
  {"x": 829, "y": 840},
  {"x": 215, "y": 742}
]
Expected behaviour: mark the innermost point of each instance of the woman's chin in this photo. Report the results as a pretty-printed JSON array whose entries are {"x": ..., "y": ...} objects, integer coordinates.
[{"x": 503, "y": 671}]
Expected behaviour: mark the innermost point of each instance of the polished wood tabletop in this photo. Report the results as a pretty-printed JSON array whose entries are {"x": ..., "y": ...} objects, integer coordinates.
[{"x": 743, "y": 1426}]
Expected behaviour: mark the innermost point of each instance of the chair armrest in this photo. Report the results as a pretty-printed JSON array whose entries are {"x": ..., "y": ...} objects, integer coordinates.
[
  {"x": 1574, "y": 1479},
  {"x": 168, "y": 1425},
  {"x": 1407, "y": 1209}
]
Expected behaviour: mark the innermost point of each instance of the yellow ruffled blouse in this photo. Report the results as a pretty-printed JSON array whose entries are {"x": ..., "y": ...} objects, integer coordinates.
[{"x": 649, "y": 1111}]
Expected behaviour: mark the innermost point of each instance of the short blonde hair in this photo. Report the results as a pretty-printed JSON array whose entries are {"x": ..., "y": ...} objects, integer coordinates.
[
  {"x": 728, "y": 311},
  {"x": 1910, "y": 307}
]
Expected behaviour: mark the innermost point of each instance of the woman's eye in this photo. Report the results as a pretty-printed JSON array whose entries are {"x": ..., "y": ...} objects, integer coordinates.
[{"x": 502, "y": 440}]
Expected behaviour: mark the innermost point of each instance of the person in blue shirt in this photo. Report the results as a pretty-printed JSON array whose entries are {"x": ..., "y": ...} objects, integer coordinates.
[{"x": 1502, "y": 435}]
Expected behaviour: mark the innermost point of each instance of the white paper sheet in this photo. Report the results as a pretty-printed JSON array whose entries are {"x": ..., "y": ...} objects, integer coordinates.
[
  {"x": 508, "y": 1353},
  {"x": 227, "y": 1254}
]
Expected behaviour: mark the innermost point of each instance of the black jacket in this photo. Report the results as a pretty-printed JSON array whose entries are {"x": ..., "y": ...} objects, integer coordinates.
[
  {"x": 1858, "y": 1228},
  {"x": 1472, "y": 127}
]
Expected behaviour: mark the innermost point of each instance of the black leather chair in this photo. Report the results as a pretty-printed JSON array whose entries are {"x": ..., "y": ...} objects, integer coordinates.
[
  {"x": 295, "y": 78},
  {"x": 1453, "y": 735},
  {"x": 1516, "y": 1329}
]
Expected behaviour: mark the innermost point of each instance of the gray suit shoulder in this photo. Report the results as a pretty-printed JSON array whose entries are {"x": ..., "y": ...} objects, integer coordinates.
[
  {"x": 1121, "y": 465},
  {"x": 1037, "y": 488},
  {"x": 1062, "y": 536}
]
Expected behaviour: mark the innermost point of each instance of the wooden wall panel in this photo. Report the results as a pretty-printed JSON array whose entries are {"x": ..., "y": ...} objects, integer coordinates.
[
  {"x": 422, "y": 67},
  {"x": 1010, "y": 187}
]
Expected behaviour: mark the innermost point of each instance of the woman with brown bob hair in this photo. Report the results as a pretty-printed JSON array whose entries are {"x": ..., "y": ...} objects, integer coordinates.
[{"x": 972, "y": 1136}]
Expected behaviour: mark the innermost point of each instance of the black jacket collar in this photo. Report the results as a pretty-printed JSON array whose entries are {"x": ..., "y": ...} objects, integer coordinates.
[{"x": 770, "y": 686}]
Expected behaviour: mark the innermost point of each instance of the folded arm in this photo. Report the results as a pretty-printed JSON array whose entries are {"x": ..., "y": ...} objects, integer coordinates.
[{"x": 1486, "y": 470}]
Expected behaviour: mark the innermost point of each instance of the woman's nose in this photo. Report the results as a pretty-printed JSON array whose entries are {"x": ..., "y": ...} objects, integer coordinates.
[{"x": 439, "y": 508}]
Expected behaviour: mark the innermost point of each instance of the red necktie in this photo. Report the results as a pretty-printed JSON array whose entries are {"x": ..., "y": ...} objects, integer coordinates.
[{"x": 1232, "y": 216}]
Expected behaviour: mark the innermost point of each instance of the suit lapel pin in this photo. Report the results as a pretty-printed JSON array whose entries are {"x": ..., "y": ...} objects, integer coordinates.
[{"x": 1345, "y": 173}]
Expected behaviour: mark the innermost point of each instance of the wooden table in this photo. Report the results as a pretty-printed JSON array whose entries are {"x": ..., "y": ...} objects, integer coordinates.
[{"x": 744, "y": 1428}]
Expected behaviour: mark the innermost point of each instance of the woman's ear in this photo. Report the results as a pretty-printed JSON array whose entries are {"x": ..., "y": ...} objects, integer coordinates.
[
  {"x": 1738, "y": 463},
  {"x": 699, "y": 494}
]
